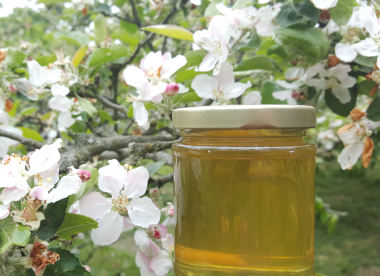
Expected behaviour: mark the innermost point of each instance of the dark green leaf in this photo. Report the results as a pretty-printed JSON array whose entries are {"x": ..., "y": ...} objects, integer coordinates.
[
  {"x": 54, "y": 216},
  {"x": 365, "y": 87},
  {"x": 366, "y": 61},
  {"x": 258, "y": 63},
  {"x": 164, "y": 122},
  {"x": 252, "y": 42},
  {"x": 68, "y": 265},
  {"x": 187, "y": 97},
  {"x": 193, "y": 58},
  {"x": 342, "y": 12},
  {"x": 74, "y": 224},
  {"x": 12, "y": 233},
  {"x": 78, "y": 127},
  {"x": 303, "y": 13},
  {"x": 373, "y": 111},
  {"x": 14, "y": 57},
  {"x": 154, "y": 167},
  {"x": 336, "y": 106},
  {"x": 46, "y": 60},
  {"x": 105, "y": 116}
]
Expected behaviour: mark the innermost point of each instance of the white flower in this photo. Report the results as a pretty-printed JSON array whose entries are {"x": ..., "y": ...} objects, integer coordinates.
[
  {"x": 122, "y": 186},
  {"x": 61, "y": 60},
  {"x": 324, "y": 4},
  {"x": 45, "y": 158},
  {"x": 196, "y": 2},
  {"x": 215, "y": 42},
  {"x": 266, "y": 16},
  {"x": 287, "y": 95},
  {"x": 63, "y": 104},
  {"x": 5, "y": 143},
  {"x": 253, "y": 97},
  {"x": 151, "y": 259},
  {"x": 328, "y": 139},
  {"x": 222, "y": 87}
]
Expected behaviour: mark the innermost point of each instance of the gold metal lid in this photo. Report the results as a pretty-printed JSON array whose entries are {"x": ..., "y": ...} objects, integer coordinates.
[{"x": 245, "y": 117}]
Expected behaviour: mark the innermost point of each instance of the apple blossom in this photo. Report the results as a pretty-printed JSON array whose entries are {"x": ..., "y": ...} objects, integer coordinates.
[
  {"x": 324, "y": 4},
  {"x": 220, "y": 88},
  {"x": 123, "y": 185},
  {"x": 5, "y": 142},
  {"x": 266, "y": 16},
  {"x": 157, "y": 231},
  {"x": 253, "y": 97},
  {"x": 328, "y": 139}
]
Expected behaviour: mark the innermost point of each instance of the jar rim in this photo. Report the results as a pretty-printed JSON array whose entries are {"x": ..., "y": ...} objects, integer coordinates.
[{"x": 245, "y": 117}]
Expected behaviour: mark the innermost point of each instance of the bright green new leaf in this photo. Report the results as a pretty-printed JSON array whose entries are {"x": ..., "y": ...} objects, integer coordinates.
[
  {"x": 336, "y": 106},
  {"x": 171, "y": 31},
  {"x": 100, "y": 30},
  {"x": 28, "y": 111},
  {"x": 319, "y": 274},
  {"x": 46, "y": 60},
  {"x": 74, "y": 224},
  {"x": 331, "y": 225},
  {"x": 154, "y": 167},
  {"x": 242, "y": 3},
  {"x": 105, "y": 116},
  {"x": 68, "y": 265},
  {"x": 186, "y": 98},
  {"x": 193, "y": 58},
  {"x": 14, "y": 57},
  {"x": 87, "y": 106},
  {"x": 342, "y": 12},
  {"x": 12, "y": 233},
  {"x": 311, "y": 43},
  {"x": 163, "y": 122},
  {"x": 103, "y": 55},
  {"x": 373, "y": 111},
  {"x": 75, "y": 37},
  {"x": 130, "y": 111},
  {"x": 31, "y": 134},
  {"x": 14, "y": 109},
  {"x": 258, "y": 63},
  {"x": 86, "y": 186},
  {"x": 54, "y": 216},
  {"x": 79, "y": 55},
  {"x": 187, "y": 75}
]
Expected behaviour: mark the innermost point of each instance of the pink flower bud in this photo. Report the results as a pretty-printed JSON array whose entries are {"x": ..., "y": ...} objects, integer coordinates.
[
  {"x": 298, "y": 95},
  {"x": 157, "y": 231},
  {"x": 83, "y": 175},
  {"x": 171, "y": 89},
  {"x": 87, "y": 268},
  {"x": 12, "y": 88},
  {"x": 153, "y": 192}
]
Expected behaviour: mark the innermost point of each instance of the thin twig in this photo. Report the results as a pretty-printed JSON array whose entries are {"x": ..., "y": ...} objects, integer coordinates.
[
  {"x": 110, "y": 104},
  {"x": 136, "y": 16},
  {"x": 21, "y": 139}
]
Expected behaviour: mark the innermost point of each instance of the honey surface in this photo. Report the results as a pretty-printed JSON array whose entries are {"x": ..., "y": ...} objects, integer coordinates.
[{"x": 244, "y": 210}]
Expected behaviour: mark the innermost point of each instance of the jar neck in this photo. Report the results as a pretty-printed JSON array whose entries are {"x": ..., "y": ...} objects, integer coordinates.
[{"x": 243, "y": 137}]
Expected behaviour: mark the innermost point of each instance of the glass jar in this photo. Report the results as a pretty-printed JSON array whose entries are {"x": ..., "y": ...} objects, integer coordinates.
[{"x": 244, "y": 191}]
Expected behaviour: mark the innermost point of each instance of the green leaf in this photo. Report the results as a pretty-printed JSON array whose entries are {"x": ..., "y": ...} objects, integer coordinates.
[
  {"x": 77, "y": 38},
  {"x": 103, "y": 8},
  {"x": 303, "y": 13},
  {"x": 187, "y": 75},
  {"x": 193, "y": 58},
  {"x": 171, "y": 31},
  {"x": 212, "y": 10},
  {"x": 267, "y": 90},
  {"x": 79, "y": 55},
  {"x": 87, "y": 106},
  {"x": 318, "y": 204},
  {"x": 78, "y": 127},
  {"x": 186, "y": 98},
  {"x": 100, "y": 29},
  {"x": 331, "y": 225},
  {"x": 28, "y": 111},
  {"x": 336, "y": 106},
  {"x": 12, "y": 233},
  {"x": 164, "y": 122},
  {"x": 252, "y": 42},
  {"x": 365, "y": 87},
  {"x": 14, "y": 57},
  {"x": 46, "y": 60},
  {"x": 342, "y": 12},
  {"x": 319, "y": 274},
  {"x": 278, "y": 50},
  {"x": 52, "y": 1},
  {"x": 325, "y": 216},
  {"x": 103, "y": 55},
  {"x": 373, "y": 111},
  {"x": 105, "y": 116},
  {"x": 130, "y": 111},
  {"x": 74, "y": 224},
  {"x": 86, "y": 186},
  {"x": 366, "y": 61},
  {"x": 54, "y": 216},
  {"x": 154, "y": 167},
  {"x": 14, "y": 109},
  {"x": 68, "y": 265},
  {"x": 31, "y": 134},
  {"x": 311, "y": 43},
  {"x": 242, "y": 3},
  {"x": 258, "y": 63}
]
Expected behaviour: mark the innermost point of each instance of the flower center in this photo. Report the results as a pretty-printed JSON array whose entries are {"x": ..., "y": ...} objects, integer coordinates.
[
  {"x": 121, "y": 204},
  {"x": 332, "y": 82},
  {"x": 352, "y": 35},
  {"x": 29, "y": 212}
]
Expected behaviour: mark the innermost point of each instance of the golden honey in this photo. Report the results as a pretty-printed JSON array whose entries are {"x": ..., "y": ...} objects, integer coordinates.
[{"x": 244, "y": 202}]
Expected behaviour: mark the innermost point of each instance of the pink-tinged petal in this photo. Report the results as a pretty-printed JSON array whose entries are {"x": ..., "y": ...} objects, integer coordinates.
[
  {"x": 40, "y": 193},
  {"x": 4, "y": 211},
  {"x": 109, "y": 229},
  {"x": 60, "y": 103},
  {"x": 127, "y": 224},
  {"x": 12, "y": 194},
  {"x": 161, "y": 264},
  {"x": 167, "y": 56},
  {"x": 140, "y": 114},
  {"x": 68, "y": 185},
  {"x": 294, "y": 73},
  {"x": 209, "y": 61},
  {"x": 142, "y": 261},
  {"x": 142, "y": 240},
  {"x": 94, "y": 205},
  {"x": 205, "y": 40},
  {"x": 75, "y": 208},
  {"x": 134, "y": 76},
  {"x": 59, "y": 90},
  {"x": 265, "y": 28},
  {"x": 220, "y": 28},
  {"x": 204, "y": 86},
  {"x": 345, "y": 52},
  {"x": 366, "y": 47},
  {"x": 341, "y": 93},
  {"x": 168, "y": 243},
  {"x": 136, "y": 182},
  {"x": 172, "y": 65},
  {"x": 153, "y": 61},
  {"x": 237, "y": 89},
  {"x": 111, "y": 179},
  {"x": 225, "y": 77},
  {"x": 65, "y": 120},
  {"x": 143, "y": 212},
  {"x": 252, "y": 98},
  {"x": 350, "y": 155},
  {"x": 49, "y": 177},
  {"x": 45, "y": 158},
  {"x": 87, "y": 268}
]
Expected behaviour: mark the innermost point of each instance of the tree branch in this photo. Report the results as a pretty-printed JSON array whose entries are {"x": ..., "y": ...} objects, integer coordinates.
[
  {"x": 136, "y": 16},
  {"x": 21, "y": 139},
  {"x": 110, "y": 104}
]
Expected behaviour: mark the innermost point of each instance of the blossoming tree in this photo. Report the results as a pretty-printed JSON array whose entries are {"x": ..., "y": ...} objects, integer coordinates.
[{"x": 84, "y": 131}]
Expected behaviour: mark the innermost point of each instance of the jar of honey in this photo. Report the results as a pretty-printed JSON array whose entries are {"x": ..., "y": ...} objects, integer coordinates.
[{"x": 244, "y": 191}]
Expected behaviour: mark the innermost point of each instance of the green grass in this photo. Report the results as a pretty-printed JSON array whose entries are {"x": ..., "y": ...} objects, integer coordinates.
[{"x": 353, "y": 249}]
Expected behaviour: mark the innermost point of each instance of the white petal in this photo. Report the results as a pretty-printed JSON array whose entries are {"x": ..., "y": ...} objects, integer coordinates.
[
  {"x": 196, "y": 2},
  {"x": 350, "y": 135},
  {"x": 112, "y": 179},
  {"x": 204, "y": 86},
  {"x": 345, "y": 52},
  {"x": 49, "y": 177},
  {"x": 341, "y": 93},
  {"x": 157, "y": 89},
  {"x": 331, "y": 27},
  {"x": 35, "y": 69},
  {"x": 134, "y": 76},
  {"x": 265, "y": 29},
  {"x": 143, "y": 212},
  {"x": 50, "y": 76},
  {"x": 142, "y": 240},
  {"x": 225, "y": 77},
  {"x": 237, "y": 89},
  {"x": 366, "y": 48},
  {"x": 109, "y": 229},
  {"x": 140, "y": 114},
  {"x": 182, "y": 88},
  {"x": 60, "y": 103},
  {"x": 4, "y": 211},
  {"x": 350, "y": 155},
  {"x": 26, "y": 88},
  {"x": 348, "y": 82},
  {"x": 324, "y": 4},
  {"x": 161, "y": 264},
  {"x": 68, "y": 185},
  {"x": 127, "y": 224},
  {"x": 94, "y": 205},
  {"x": 282, "y": 95},
  {"x": 40, "y": 193},
  {"x": 220, "y": 28},
  {"x": 253, "y": 97},
  {"x": 4, "y": 119},
  {"x": 65, "y": 120},
  {"x": 45, "y": 158},
  {"x": 59, "y": 90},
  {"x": 143, "y": 263},
  {"x": 12, "y": 194},
  {"x": 172, "y": 65},
  {"x": 168, "y": 243},
  {"x": 152, "y": 61},
  {"x": 209, "y": 61},
  {"x": 136, "y": 182},
  {"x": 294, "y": 73}
]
